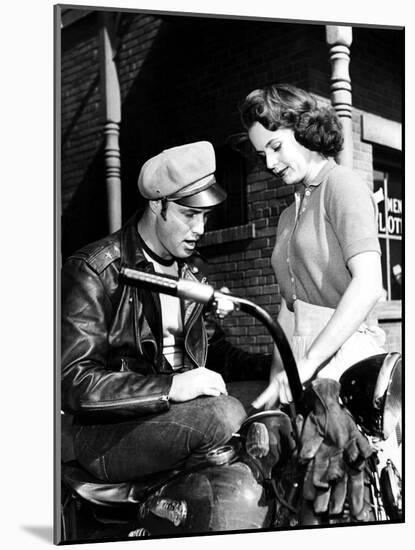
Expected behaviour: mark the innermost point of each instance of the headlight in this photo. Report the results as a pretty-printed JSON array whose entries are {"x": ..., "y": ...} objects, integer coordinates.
[{"x": 372, "y": 391}]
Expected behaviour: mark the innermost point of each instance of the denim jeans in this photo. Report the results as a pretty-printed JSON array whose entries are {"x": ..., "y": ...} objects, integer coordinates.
[{"x": 179, "y": 437}]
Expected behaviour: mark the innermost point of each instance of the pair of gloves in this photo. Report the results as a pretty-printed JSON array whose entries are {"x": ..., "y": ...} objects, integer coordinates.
[
  {"x": 331, "y": 449},
  {"x": 334, "y": 452}
]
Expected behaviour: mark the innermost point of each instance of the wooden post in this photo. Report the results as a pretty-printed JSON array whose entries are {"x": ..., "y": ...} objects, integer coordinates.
[
  {"x": 112, "y": 115},
  {"x": 339, "y": 40}
]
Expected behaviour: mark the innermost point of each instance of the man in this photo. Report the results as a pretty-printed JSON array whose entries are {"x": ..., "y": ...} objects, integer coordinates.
[{"x": 134, "y": 369}]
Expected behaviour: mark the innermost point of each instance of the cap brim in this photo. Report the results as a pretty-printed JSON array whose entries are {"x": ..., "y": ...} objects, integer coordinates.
[{"x": 207, "y": 198}]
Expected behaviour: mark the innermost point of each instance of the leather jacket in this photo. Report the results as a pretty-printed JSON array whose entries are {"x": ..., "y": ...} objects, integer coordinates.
[{"x": 112, "y": 361}]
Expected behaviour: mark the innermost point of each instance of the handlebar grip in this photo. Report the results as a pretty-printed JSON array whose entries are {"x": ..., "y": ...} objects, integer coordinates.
[
  {"x": 182, "y": 288},
  {"x": 150, "y": 281},
  {"x": 193, "y": 290}
]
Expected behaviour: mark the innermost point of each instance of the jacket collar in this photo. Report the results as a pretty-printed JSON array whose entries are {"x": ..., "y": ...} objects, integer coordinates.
[{"x": 131, "y": 250}]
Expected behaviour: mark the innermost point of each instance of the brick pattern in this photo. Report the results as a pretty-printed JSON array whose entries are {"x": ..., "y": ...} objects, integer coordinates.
[
  {"x": 246, "y": 270},
  {"x": 181, "y": 80},
  {"x": 80, "y": 124}
]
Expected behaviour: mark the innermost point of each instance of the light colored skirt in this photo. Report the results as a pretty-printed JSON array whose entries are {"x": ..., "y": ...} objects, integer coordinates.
[
  {"x": 310, "y": 321},
  {"x": 368, "y": 340}
]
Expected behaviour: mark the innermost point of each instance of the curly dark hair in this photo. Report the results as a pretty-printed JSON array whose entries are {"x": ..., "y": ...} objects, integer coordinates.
[{"x": 285, "y": 106}]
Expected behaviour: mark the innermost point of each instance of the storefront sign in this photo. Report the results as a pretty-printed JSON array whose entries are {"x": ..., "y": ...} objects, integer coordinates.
[{"x": 392, "y": 222}]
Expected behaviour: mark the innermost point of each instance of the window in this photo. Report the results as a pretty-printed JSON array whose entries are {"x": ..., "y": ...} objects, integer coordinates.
[
  {"x": 387, "y": 176},
  {"x": 231, "y": 175}
]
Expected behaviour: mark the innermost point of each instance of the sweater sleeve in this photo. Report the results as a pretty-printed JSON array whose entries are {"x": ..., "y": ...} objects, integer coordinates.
[{"x": 352, "y": 211}]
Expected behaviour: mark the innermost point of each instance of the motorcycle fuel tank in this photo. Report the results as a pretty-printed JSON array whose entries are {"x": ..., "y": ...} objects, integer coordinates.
[{"x": 216, "y": 498}]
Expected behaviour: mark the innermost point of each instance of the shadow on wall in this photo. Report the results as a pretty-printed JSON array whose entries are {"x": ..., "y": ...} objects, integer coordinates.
[
  {"x": 182, "y": 85},
  {"x": 85, "y": 218},
  {"x": 181, "y": 80},
  {"x": 190, "y": 83},
  {"x": 166, "y": 105}
]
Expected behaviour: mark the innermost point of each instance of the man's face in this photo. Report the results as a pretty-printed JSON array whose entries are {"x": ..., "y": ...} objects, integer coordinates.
[{"x": 178, "y": 234}]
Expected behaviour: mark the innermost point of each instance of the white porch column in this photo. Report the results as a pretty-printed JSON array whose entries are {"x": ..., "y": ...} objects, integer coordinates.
[
  {"x": 112, "y": 115},
  {"x": 339, "y": 40}
]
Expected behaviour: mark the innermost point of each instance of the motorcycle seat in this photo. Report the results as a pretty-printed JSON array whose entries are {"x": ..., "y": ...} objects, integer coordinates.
[
  {"x": 95, "y": 490},
  {"x": 109, "y": 494}
]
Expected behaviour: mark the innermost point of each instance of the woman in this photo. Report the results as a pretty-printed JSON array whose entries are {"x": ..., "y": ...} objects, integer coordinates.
[{"x": 327, "y": 256}]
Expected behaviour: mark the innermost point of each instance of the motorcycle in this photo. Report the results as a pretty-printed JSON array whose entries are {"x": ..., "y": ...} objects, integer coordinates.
[{"x": 256, "y": 480}]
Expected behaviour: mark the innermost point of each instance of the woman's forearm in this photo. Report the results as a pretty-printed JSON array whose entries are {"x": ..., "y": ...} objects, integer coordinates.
[{"x": 356, "y": 303}]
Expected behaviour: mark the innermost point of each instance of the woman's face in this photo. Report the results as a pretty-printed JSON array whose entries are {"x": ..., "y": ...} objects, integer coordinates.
[{"x": 282, "y": 153}]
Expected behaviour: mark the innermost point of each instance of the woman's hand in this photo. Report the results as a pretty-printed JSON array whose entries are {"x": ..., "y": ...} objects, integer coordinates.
[
  {"x": 270, "y": 398},
  {"x": 278, "y": 391}
]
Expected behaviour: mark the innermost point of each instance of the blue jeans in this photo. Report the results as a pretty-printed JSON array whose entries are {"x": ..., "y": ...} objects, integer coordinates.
[{"x": 179, "y": 437}]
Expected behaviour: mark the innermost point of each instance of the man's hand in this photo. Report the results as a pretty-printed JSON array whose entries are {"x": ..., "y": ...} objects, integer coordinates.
[
  {"x": 223, "y": 307},
  {"x": 193, "y": 383}
]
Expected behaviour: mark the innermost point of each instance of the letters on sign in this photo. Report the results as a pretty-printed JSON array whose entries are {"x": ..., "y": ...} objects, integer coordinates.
[{"x": 393, "y": 222}]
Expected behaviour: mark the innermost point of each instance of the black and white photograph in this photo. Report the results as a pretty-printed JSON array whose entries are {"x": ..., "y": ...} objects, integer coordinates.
[
  {"x": 209, "y": 239},
  {"x": 230, "y": 195},
  {"x": 231, "y": 239}
]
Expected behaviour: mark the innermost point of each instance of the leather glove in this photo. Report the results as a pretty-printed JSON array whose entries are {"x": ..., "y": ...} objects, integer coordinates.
[
  {"x": 335, "y": 450},
  {"x": 269, "y": 439}
]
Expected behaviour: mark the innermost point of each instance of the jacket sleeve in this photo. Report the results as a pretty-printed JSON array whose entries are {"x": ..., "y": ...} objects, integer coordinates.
[
  {"x": 234, "y": 364},
  {"x": 90, "y": 386}
]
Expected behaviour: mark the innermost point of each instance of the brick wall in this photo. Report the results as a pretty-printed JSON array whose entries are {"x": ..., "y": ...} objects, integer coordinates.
[{"x": 181, "y": 80}]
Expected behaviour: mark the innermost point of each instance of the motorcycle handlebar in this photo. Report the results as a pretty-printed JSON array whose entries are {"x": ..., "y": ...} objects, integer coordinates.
[
  {"x": 206, "y": 294},
  {"x": 182, "y": 288}
]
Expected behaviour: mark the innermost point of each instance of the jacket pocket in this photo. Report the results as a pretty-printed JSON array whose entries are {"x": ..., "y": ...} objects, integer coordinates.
[{"x": 134, "y": 364}]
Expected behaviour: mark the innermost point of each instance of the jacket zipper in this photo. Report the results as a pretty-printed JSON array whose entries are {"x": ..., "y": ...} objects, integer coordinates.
[
  {"x": 158, "y": 337},
  {"x": 192, "y": 320},
  {"x": 117, "y": 403},
  {"x": 205, "y": 348}
]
